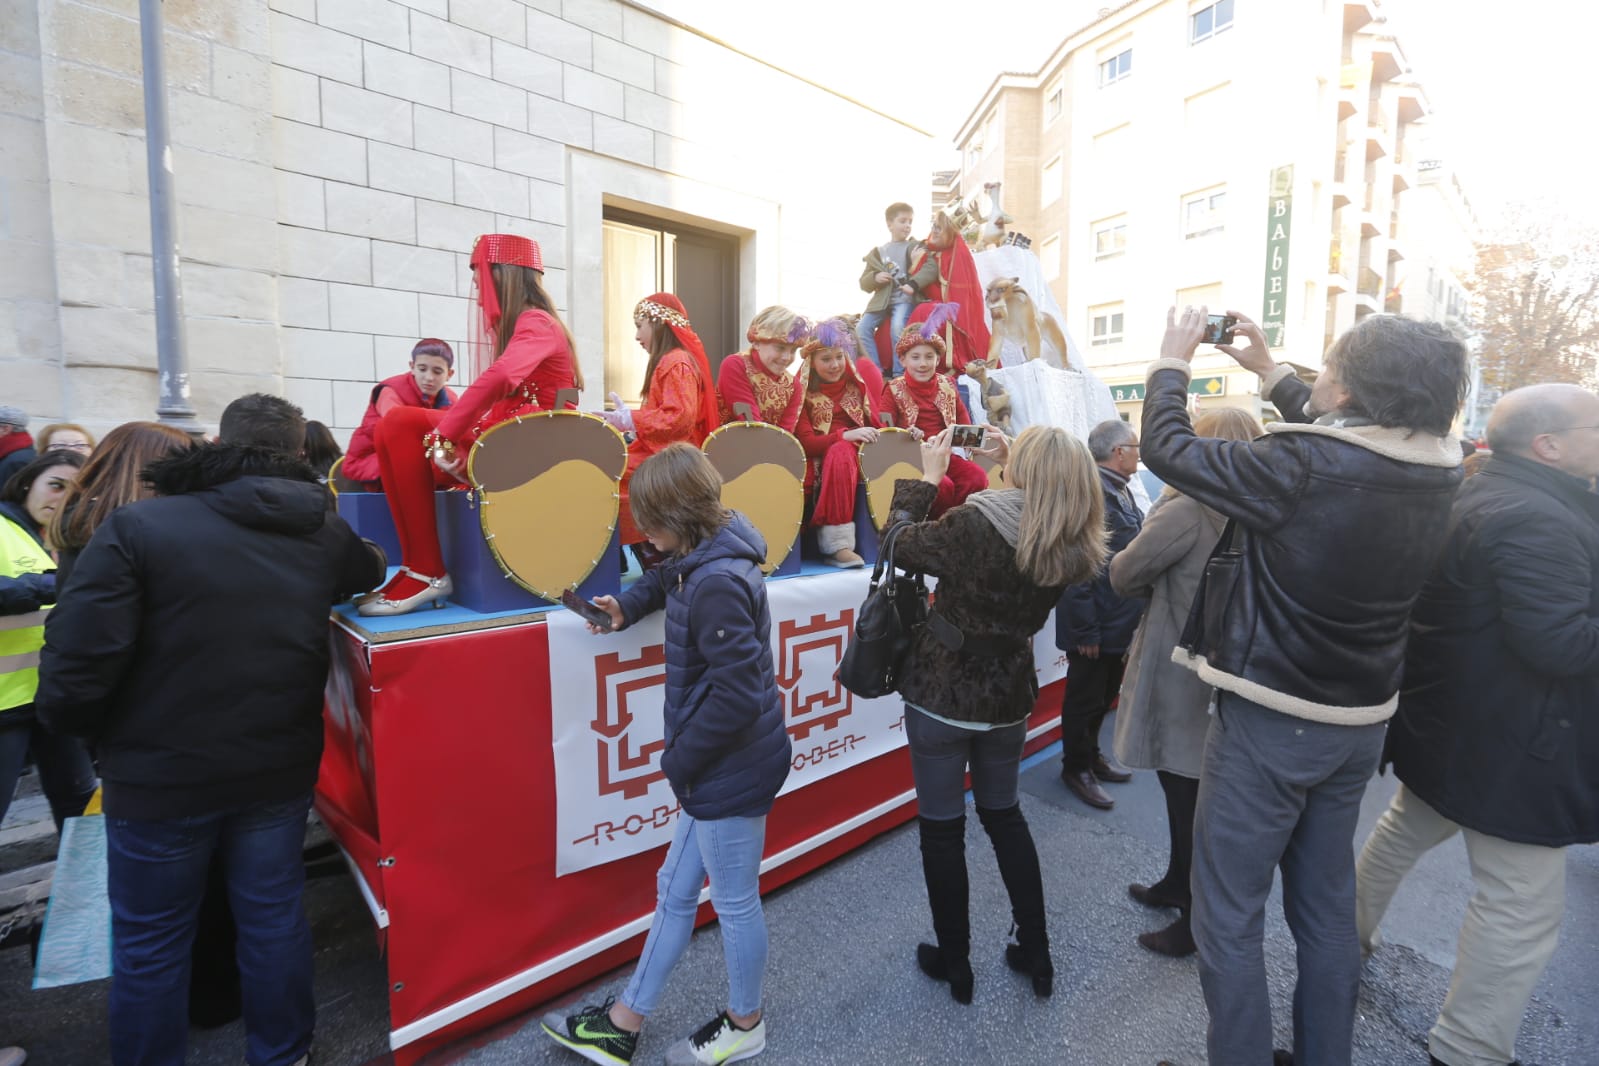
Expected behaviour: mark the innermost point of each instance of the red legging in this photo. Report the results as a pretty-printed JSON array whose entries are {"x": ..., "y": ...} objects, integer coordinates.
[
  {"x": 841, "y": 472},
  {"x": 409, "y": 478},
  {"x": 963, "y": 478}
]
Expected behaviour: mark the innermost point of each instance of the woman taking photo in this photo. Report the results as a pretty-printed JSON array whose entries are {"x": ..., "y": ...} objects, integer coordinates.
[
  {"x": 1163, "y": 715},
  {"x": 27, "y": 590},
  {"x": 1002, "y": 560}
]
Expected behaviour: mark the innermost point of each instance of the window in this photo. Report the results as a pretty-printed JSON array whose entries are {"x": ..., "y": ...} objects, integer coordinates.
[
  {"x": 1204, "y": 212},
  {"x": 1206, "y": 22},
  {"x": 1049, "y": 255},
  {"x": 1052, "y": 186},
  {"x": 1105, "y": 325},
  {"x": 1110, "y": 237},
  {"x": 1054, "y": 102},
  {"x": 1116, "y": 67}
]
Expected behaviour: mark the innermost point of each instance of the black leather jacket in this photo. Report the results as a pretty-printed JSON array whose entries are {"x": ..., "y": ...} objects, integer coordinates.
[{"x": 1336, "y": 529}]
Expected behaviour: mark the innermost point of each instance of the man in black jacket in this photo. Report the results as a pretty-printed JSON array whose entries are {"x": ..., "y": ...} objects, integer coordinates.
[
  {"x": 1300, "y": 624},
  {"x": 1094, "y": 627},
  {"x": 1496, "y": 735},
  {"x": 191, "y": 647}
]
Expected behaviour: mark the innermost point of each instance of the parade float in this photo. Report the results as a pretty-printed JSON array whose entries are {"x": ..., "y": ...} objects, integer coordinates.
[{"x": 490, "y": 770}]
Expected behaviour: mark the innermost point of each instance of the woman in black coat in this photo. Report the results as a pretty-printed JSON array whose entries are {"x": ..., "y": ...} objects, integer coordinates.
[{"x": 1001, "y": 559}]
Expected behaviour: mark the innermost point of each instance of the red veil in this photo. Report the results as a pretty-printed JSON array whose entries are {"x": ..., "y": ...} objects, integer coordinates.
[
  {"x": 666, "y": 309},
  {"x": 967, "y": 336}
]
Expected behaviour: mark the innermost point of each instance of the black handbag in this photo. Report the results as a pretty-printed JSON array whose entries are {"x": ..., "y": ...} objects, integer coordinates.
[
  {"x": 894, "y": 609},
  {"x": 1203, "y": 630}
]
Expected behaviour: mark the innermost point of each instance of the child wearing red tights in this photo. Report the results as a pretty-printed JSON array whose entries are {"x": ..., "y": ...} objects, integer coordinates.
[{"x": 420, "y": 449}]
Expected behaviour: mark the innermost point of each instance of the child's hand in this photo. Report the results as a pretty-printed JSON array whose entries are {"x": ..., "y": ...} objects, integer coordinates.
[
  {"x": 917, "y": 435},
  {"x": 861, "y": 435},
  {"x": 455, "y": 467},
  {"x": 883, "y": 277},
  {"x": 908, "y": 290},
  {"x": 609, "y": 605}
]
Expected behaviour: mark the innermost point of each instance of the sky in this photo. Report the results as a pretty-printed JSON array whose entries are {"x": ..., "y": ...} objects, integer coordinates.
[{"x": 1512, "y": 86}]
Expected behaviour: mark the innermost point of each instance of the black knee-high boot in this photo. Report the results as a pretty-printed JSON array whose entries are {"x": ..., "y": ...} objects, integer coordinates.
[
  {"x": 1018, "y": 866},
  {"x": 944, "y": 868}
]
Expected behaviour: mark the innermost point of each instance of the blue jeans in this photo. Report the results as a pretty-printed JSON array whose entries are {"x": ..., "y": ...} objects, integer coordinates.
[
  {"x": 866, "y": 331},
  {"x": 729, "y": 850},
  {"x": 941, "y": 754},
  {"x": 157, "y": 875},
  {"x": 65, "y": 773}
]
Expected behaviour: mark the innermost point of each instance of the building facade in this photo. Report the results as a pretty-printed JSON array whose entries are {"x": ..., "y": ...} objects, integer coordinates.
[
  {"x": 1229, "y": 153},
  {"x": 334, "y": 160}
]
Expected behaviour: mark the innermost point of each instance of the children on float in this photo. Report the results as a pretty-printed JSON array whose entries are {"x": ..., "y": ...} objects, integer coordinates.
[
  {"x": 422, "y": 448},
  {"x": 432, "y": 364},
  {"x": 680, "y": 402},
  {"x": 760, "y": 377},
  {"x": 926, "y": 402},
  {"x": 726, "y": 756},
  {"x": 836, "y": 416},
  {"x": 895, "y": 282}
]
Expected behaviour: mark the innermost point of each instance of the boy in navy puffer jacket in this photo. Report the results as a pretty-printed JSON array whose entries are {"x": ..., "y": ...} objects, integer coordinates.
[{"x": 726, "y": 756}]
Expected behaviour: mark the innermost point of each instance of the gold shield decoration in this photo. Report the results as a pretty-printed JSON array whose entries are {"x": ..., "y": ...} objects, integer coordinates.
[
  {"x": 763, "y": 478},
  {"x": 893, "y": 455},
  {"x": 548, "y": 483}
]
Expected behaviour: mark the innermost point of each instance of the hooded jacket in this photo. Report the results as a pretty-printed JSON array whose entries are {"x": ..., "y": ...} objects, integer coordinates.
[
  {"x": 1093, "y": 612},
  {"x": 727, "y": 751},
  {"x": 191, "y": 642}
]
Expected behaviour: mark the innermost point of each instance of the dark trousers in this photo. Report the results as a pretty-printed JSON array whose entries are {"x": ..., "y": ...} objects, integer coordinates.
[
  {"x": 1279, "y": 791},
  {"x": 941, "y": 754},
  {"x": 1182, "y": 796},
  {"x": 1091, "y": 687},
  {"x": 157, "y": 876},
  {"x": 66, "y": 775}
]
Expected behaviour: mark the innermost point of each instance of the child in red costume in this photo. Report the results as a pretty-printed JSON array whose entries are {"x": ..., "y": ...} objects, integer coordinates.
[
  {"x": 421, "y": 448},
  {"x": 432, "y": 364},
  {"x": 680, "y": 401},
  {"x": 836, "y": 416},
  {"x": 925, "y": 402},
  {"x": 760, "y": 377}
]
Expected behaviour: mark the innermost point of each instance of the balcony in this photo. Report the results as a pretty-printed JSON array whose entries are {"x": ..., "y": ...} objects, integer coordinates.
[
  {"x": 1368, "y": 291},
  {"x": 1337, "y": 272},
  {"x": 1379, "y": 131},
  {"x": 1351, "y": 81},
  {"x": 1358, "y": 14}
]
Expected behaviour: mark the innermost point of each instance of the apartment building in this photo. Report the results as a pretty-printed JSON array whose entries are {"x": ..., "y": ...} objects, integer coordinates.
[{"x": 1231, "y": 153}]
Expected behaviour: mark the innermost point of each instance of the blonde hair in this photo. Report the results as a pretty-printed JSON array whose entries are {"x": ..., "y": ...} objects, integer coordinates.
[
  {"x": 678, "y": 491},
  {"x": 1062, "y": 537},
  {"x": 1223, "y": 423},
  {"x": 772, "y": 324}
]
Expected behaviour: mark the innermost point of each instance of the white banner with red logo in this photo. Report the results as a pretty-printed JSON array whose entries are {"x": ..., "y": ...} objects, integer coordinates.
[{"x": 606, "y": 695}]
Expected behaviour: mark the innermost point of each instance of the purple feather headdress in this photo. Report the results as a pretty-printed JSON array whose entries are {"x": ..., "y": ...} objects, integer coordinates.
[
  {"x": 835, "y": 333},
  {"x": 941, "y": 315},
  {"x": 801, "y": 330}
]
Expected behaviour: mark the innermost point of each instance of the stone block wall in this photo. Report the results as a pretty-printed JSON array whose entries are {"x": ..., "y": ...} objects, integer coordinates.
[{"x": 336, "y": 158}]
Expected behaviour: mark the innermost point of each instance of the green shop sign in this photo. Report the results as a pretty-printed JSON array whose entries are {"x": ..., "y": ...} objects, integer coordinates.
[
  {"x": 1278, "y": 216},
  {"x": 1212, "y": 386}
]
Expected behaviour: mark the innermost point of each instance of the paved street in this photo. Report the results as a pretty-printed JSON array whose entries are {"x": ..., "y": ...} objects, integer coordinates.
[{"x": 842, "y": 984}]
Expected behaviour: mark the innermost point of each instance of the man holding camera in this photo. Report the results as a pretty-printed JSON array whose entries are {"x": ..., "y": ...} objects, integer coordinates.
[{"x": 1335, "y": 520}]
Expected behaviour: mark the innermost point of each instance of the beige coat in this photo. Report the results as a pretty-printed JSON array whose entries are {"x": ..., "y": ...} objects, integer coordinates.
[{"x": 1163, "y": 716}]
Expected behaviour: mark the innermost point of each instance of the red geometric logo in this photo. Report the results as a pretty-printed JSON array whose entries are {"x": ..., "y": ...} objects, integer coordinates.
[
  {"x": 809, "y": 652},
  {"x": 620, "y": 685}
]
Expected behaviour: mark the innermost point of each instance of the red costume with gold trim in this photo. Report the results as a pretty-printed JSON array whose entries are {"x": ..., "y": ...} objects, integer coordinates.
[
  {"x": 931, "y": 406},
  {"x": 828, "y": 411},
  {"x": 772, "y": 398},
  {"x": 680, "y": 402},
  {"x": 967, "y": 336}
]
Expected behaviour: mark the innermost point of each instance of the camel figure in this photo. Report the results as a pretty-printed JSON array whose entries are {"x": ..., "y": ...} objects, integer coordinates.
[
  {"x": 1017, "y": 320},
  {"x": 992, "y": 231}
]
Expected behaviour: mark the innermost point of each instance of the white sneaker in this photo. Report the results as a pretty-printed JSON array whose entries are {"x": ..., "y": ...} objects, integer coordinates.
[{"x": 718, "y": 1041}]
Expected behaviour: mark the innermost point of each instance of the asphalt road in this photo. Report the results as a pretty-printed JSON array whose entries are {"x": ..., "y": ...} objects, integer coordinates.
[{"x": 842, "y": 986}]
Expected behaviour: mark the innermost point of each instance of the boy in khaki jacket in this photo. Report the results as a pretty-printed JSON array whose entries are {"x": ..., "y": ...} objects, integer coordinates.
[{"x": 896, "y": 274}]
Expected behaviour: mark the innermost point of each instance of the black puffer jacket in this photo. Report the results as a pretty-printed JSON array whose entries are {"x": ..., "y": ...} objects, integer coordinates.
[
  {"x": 1498, "y": 724},
  {"x": 191, "y": 643},
  {"x": 1338, "y": 528},
  {"x": 1091, "y": 612}
]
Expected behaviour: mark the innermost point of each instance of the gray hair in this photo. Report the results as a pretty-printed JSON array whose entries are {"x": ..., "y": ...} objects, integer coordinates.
[
  {"x": 1109, "y": 435},
  {"x": 1523, "y": 415},
  {"x": 13, "y": 416}
]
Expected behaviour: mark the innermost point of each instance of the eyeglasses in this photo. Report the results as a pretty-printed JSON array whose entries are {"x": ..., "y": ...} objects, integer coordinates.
[
  {"x": 80, "y": 446},
  {"x": 1134, "y": 447}
]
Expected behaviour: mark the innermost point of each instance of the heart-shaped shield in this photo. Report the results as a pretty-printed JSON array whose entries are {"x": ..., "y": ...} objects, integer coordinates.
[
  {"x": 763, "y": 478},
  {"x": 893, "y": 455},
  {"x": 548, "y": 484}
]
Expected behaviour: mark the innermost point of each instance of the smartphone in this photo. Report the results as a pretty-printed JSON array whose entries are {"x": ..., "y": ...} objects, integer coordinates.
[
  {"x": 591, "y": 613},
  {"x": 966, "y": 437},
  {"x": 1218, "y": 329}
]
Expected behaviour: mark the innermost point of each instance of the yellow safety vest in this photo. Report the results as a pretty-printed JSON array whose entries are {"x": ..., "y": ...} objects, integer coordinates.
[{"x": 21, "y": 635}]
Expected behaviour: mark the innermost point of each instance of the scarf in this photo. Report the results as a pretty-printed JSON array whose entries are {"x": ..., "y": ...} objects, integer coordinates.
[{"x": 1003, "y": 509}]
